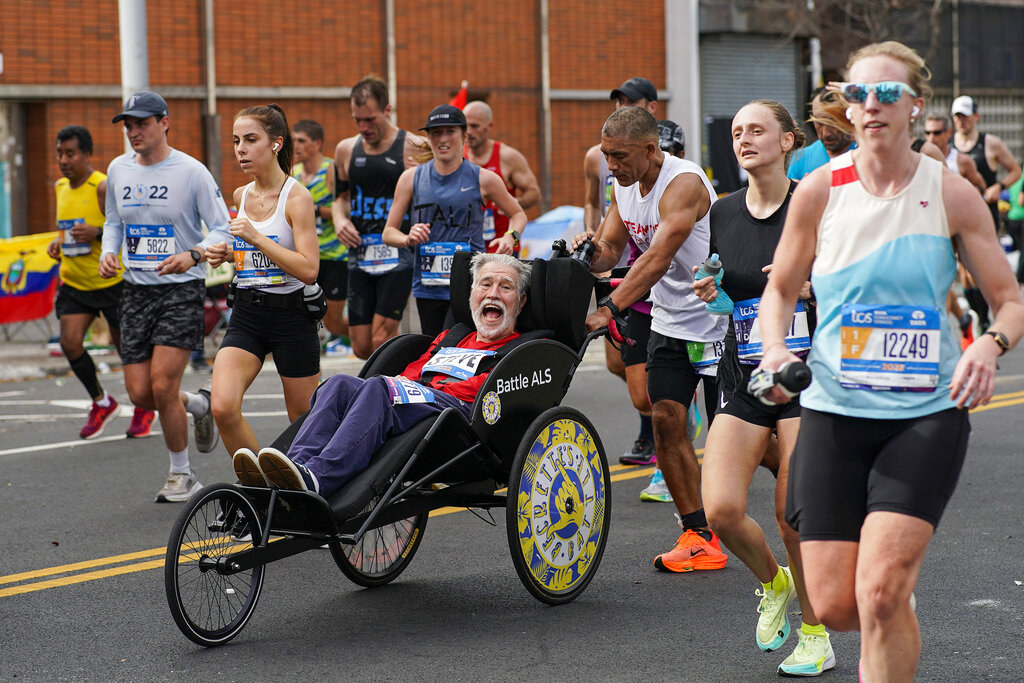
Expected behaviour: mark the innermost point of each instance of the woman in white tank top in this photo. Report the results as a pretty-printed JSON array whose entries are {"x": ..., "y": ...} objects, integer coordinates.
[
  {"x": 883, "y": 429},
  {"x": 275, "y": 252}
]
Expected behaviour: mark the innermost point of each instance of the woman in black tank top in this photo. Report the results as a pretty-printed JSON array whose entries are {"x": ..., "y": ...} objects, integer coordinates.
[{"x": 745, "y": 229}]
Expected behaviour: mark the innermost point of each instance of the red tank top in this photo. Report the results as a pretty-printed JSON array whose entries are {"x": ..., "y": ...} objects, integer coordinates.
[{"x": 495, "y": 222}]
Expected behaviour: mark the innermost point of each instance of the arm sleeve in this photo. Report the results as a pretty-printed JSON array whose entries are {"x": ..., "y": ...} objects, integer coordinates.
[
  {"x": 212, "y": 209},
  {"x": 113, "y": 228}
]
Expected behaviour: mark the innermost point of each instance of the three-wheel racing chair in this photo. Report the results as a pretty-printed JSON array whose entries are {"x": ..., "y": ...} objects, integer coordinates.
[{"x": 557, "y": 505}]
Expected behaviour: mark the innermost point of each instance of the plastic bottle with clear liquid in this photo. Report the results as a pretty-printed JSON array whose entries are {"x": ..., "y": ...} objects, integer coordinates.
[{"x": 712, "y": 267}]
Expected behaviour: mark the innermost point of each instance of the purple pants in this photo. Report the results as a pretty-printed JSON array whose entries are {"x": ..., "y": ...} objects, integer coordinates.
[{"x": 349, "y": 420}]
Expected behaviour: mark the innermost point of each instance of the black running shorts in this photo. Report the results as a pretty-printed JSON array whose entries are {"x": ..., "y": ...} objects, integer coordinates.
[
  {"x": 161, "y": 315},
  {"x": 846, "y": 467},
  {"x": 384, "y": 295},
  {"x": 333, "y": 279},
  {"x": 735, "y": 400},
  {"x": 288, "y": 333},
  {"x": 638, "y": 328},
  {"x": 671, "y": 376},
  {"x": 73, "y": 301}
]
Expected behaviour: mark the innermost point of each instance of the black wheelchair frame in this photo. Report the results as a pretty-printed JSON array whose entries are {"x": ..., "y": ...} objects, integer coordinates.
[{"x": 557, "y": 500}]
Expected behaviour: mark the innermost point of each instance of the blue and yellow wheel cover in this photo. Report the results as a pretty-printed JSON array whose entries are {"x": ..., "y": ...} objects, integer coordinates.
[{"x": 561, "y": 505}]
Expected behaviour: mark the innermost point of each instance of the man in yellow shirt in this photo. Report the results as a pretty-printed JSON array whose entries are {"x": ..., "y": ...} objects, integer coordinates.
[{"x": 83, "y": 294}]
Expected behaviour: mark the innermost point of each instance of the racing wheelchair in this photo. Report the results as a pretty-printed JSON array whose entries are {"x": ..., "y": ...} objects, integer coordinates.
[{"x": 521, "y": 450}]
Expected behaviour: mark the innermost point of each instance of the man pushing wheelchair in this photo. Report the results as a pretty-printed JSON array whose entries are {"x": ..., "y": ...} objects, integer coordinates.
[{"x": 350, "y": 417}]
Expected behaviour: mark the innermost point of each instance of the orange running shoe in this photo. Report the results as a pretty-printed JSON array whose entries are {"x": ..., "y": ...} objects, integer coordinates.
[{"x": 692, "y": 551}]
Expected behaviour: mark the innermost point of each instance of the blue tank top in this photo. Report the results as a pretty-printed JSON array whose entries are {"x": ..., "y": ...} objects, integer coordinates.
[{"x": 452, "y": 206}]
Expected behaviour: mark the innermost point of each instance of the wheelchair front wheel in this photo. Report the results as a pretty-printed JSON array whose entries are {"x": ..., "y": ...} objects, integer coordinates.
[
  {"x": 382, "y": 553},
  {"x": 211, "y": 606},
  {"x": 559, "y": 505}
]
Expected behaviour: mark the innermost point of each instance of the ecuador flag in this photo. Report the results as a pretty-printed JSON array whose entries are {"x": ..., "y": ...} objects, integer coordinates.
[{"x": 28, "y": 278}]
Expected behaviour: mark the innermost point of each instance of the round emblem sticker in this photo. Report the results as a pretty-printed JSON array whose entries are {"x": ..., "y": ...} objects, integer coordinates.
[{"x": 491, "y": 407}]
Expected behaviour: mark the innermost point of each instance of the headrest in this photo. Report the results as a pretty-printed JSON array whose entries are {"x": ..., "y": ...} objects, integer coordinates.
[
  {"x": 532, "y": 316},
  {"x": 569, "y": 288}
]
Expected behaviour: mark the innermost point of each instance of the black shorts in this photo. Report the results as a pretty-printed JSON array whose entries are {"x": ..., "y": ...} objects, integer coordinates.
[
  {"x": 846, "y": 467},
  {"x": 671, "y": 376},
  {"x": 288, "y": 333},
  {"x": 435, "y": 316},
  {"x": 161, "y": 315},
  {"x": 384, "y": 295},
  {"x": 74, "y": 301},
  {"x": 638, "y": 328},
  {"x": 735, "y": 400},
  {"x": 333, "y": 279}
]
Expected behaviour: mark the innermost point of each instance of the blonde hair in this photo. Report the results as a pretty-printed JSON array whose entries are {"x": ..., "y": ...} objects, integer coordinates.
[
  {"x": 918, "y": 73},
  {"x": 834, "y": 105}
]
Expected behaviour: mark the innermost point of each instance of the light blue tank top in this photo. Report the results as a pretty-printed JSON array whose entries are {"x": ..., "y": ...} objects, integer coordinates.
[{"x": 883, "y": 348}]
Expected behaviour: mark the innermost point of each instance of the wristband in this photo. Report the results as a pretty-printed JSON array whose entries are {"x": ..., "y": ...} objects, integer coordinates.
[
  {"x": 607, "y": 303},
  {"x": 515, "y": 237}
]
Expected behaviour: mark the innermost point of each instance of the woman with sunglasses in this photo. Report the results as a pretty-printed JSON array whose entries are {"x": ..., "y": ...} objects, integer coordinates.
[
  {"x": 884, "y": 425},
  {"x": 745, "y": 229}
]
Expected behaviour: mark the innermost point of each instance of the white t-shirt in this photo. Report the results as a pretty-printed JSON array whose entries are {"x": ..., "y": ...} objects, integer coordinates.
[{"x": 677, "y": 311}]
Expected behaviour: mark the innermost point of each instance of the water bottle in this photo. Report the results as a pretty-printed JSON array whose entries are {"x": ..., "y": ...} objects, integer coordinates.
[
  {"x": 792, "y": 377},
  {"x": 712, "y": 267}
]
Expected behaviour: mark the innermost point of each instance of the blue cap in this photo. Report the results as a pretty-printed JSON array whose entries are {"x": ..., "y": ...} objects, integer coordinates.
[{"x": 142, "y": 105}]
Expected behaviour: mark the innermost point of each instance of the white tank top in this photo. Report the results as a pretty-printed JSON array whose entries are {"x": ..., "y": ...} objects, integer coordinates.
[
  {"x": 677, "y": 311},
  {"x": 952, "y": 160},
  {"x": 253, "y": 269}
]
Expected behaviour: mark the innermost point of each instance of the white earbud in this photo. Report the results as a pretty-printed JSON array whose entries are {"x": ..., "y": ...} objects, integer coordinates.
[
  {"x": 915, "y": 111},
  {"x": 274, "y": 148},
  {"x": 849, "y": 113}
]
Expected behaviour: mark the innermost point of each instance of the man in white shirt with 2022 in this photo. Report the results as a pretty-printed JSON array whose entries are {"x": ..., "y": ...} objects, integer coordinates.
[{"x": 156, "y": 198}]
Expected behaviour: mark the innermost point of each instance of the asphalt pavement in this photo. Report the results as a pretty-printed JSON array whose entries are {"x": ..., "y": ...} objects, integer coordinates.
[{"x": 82, "y": 594}]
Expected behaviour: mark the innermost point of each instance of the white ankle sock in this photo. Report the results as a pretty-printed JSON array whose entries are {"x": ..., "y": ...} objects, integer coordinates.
[
  {"x": 105, "y": 401},
  {"x": 196, "y": 404},
  {"x": 179, "y": 461}
]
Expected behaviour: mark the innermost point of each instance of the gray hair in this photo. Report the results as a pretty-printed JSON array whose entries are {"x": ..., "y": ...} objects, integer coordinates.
[
  {"x": 938, "y": 116},
  {"x": 635, "y": 124},
  {"x": 523, "y": 270}
]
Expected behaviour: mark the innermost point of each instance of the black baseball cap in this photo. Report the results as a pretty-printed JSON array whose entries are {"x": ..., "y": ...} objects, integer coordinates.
[
  {"x": 445, "y": 115},
  {"x": 671, "y": 138},
  {"x": 636, "y": 89},
  {"x": 142, "y": 105}
]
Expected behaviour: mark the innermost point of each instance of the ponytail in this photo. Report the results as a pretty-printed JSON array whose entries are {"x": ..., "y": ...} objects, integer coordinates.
[{"x": 274, "y": 122}]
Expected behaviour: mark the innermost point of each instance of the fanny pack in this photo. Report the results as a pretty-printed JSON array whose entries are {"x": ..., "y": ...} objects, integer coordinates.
[{"x": 311, "y": 299}]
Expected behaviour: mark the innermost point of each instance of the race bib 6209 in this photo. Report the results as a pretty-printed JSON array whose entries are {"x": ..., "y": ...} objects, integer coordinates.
[
  {"x": 890, "y": 348},
  {"x": 253, "y": 267}
]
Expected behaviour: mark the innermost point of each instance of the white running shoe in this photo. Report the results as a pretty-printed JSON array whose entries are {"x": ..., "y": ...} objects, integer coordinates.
[{"x": 178, "y": 488}]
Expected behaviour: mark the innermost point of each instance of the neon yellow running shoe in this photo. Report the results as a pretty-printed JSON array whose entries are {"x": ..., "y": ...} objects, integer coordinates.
[
  {"x": 773, "y": 624},
  {"x": 813, "y": 656}
]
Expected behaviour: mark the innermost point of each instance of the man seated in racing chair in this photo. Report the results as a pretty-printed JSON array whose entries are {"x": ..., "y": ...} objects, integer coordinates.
[{"x": 350, "y": 418}]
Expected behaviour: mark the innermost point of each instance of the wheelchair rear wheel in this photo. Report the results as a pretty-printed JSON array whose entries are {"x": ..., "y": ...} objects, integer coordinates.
[
  {"x": 209, "y": 605},
  {"x": 383, "y": 552},
  {"x": 559, "y": 505}
]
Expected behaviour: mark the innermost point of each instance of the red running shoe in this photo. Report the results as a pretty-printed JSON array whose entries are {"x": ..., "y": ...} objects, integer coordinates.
[
  {"x": 98, "y": 419},
  {"x": 142, "y": 423}
]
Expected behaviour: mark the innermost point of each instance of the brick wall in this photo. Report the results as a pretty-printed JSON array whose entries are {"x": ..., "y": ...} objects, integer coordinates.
[{"x": 264, "y": 43}]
